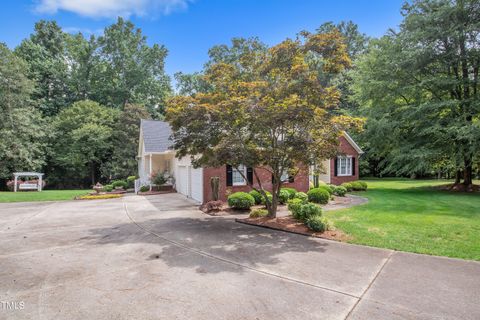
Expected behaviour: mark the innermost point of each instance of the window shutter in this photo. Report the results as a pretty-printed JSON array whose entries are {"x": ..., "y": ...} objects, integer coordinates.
[
  {"x": 229, "y": 175},
  {"x": 273, "y": 178},
  {"x": 335, "y": 167},
  {"x": 353, "y": 166},
  {"x": 250, "y": 175}
]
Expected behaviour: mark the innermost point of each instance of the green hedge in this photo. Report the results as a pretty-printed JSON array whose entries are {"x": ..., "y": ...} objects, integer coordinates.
[
  {"x": 291, "y": 192},
  {"x": 120, "y": 183},
  {"x": 295, "y": 206},
  {"x": 318, "y": 223},
  {"x": 318, "y": 195},
  {"x": 240, "y": 200},
  {"x": 302, "y": 196},
  {"x": 257, "y": 196}
]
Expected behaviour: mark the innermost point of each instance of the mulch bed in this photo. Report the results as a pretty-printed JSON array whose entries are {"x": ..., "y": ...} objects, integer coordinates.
[
  {"x": 460, "y": 187},
  {"x": 292, "y": 225}
]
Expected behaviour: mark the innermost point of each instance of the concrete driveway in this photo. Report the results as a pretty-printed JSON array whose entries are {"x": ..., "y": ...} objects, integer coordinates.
[{"x": 158, "y": 257}]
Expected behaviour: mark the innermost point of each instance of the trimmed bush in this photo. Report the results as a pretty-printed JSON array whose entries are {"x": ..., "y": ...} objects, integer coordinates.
[
  {"x": 347, "y": 185},
  {"x": 291, "y": 192},
  {"x": 131, "y": 181},
  {"x": 309, "y": 210},
  {"x": 294, "y": 206},
  {"x": 257, "y": 196},
  {"x": 318, "y": 195},
  {"x": 339, "y": 191},
  {"x": 302, "y": 196},
  {"x": 144, "y": 188},
  {"x": 283, "y": 196},
  {"x": 318, "y": 224},
  {"x": 269, "y": 196},
  {"x": 120, "y": 183},
  {"x": 359, "y": 185},
  {"x": 108, "y": 188},
  {"x": 240, "y": 200},
  {"x": 257, "y": 213},
  {"x": 327, "y": 187}
]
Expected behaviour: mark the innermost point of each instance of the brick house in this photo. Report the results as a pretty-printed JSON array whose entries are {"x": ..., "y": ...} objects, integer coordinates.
[{"x": 155, "y": 155}]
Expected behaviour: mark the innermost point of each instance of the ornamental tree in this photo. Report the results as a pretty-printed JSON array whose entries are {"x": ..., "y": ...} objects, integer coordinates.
[{"x": 270, "y": 109}]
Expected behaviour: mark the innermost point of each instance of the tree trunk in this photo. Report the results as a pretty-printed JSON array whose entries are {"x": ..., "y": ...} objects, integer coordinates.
[
  {"x": 458, "y": 176},
  {"x": 272, "y": 211},
  {"x": 467, "y": 174}
]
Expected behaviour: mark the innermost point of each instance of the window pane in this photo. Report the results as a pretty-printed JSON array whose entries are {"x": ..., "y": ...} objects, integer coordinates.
[{"x": 237, "y": 178}]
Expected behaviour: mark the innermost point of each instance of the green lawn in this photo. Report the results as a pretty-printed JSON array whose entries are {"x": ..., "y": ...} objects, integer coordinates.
[
  {"x": 409, "y": 215},
  {"x": 45, "y": 195}
]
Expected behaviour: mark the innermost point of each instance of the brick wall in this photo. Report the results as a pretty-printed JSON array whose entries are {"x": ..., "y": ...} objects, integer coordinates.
[
  {"x": 300, "y": 182},
  {"x": 345, "y": 148}
]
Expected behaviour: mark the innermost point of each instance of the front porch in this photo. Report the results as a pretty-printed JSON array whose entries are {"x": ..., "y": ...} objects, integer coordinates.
[{"x": 153, "y": 163}]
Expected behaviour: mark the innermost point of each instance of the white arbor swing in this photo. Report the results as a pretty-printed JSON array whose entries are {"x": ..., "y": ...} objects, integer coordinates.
[{"x": 28, "y": 186}]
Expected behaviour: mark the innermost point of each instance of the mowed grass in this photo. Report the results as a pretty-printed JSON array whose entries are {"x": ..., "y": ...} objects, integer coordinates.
[
  {"x": 411, "y": 215},
  {"x": 45, "y": 195}
]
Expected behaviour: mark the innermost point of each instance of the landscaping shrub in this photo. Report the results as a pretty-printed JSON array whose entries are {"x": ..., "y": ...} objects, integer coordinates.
[
  {"x": 294, "y": 206},
  {"x": 120, "y": 183},
  {"x": 240, "y": 200},
  {"x": 327, "y": 187},
  {"x": 339, "y": 191},
  {"x": 318, "y": 195},
  {"x": 269, "y": 196},
  {"x": 358, "y": 186},
  {"x": 309, "y": 210},
  {"x": 347, "y": 185},
  {"x": 291, "y": 192},
  {"x": 257, "y": 196},
  {"x": 159, "y": 179},
  {"x": 283, "y": 196},
  {"x": 144, "y": 188},
  {"x": 131, "y": 181},
  {"x": 302, "y": 196},
  {"x": 318, "y": 223},
  {"x": 257, "y": 213},
  {"x": 108, "y": 188}
]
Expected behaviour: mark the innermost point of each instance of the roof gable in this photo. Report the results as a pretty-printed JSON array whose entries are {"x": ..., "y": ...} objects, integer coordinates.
[
  {"x": 156, "y": 135},
  {"x": 352, "y": 143}
]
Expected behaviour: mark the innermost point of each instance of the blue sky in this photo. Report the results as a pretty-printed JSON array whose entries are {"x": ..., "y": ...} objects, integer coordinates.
[{"x": 189, "y": 28}]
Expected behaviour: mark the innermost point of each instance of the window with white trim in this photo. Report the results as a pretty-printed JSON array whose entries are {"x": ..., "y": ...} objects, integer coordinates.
[
  {"x": 285, "y": 176},
  {"x": 237, "y": 179},
  {"x": 344, "y": 166}
]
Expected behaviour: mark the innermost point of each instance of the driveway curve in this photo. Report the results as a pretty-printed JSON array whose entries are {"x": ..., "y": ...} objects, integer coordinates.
[{"x": 158, "y": 257}]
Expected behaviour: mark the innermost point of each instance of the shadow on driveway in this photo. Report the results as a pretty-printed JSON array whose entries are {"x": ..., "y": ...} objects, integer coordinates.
[{"x": 218, "y": 238}]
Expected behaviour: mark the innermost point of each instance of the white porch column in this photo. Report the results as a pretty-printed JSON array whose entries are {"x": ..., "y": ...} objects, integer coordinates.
[
  {"x": 150, "y": 166},
  {"x": 150, "y": 172},
  {"x": 40, "y": 182},
  {"x": 15, "y": 184}
]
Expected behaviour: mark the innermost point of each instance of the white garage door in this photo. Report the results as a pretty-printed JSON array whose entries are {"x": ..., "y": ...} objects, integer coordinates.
[
  {"x": 190, "y": 182},
  {"x": 196, "y": 184},
  {"x": 182, "y": 180}
]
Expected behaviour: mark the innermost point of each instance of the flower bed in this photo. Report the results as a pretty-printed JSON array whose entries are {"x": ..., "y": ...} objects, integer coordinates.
[
  {"x": 99, "y": 196},
  {"x": 289, "y": 224}
]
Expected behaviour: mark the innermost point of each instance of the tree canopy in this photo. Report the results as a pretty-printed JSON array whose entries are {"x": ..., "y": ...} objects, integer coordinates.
[
  {"x": 268, "y": 108},
  {"x": 419, "y": 88}
]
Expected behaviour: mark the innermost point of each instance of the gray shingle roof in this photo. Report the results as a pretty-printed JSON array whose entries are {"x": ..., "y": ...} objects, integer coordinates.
[{"x": 156, "y": 135}]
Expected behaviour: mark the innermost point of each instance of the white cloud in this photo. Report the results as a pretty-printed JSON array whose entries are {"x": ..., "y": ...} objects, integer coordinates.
[
  {"x": 85, "y": 31},
  {"x": 111, "y": 8}
]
